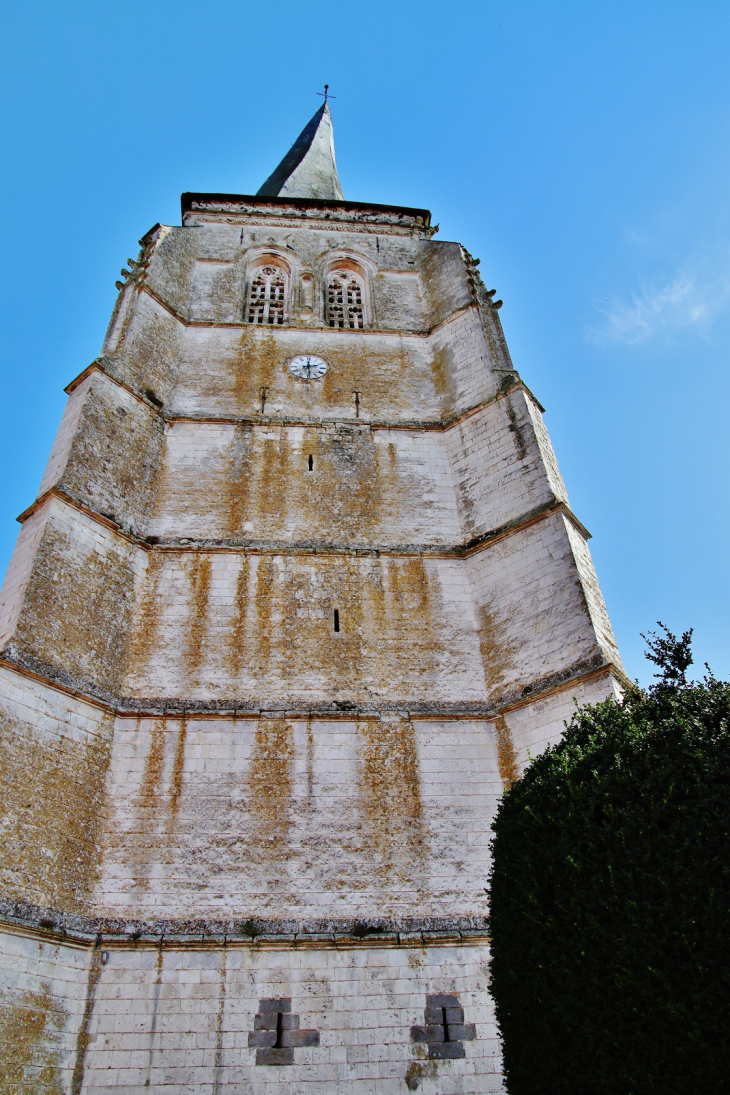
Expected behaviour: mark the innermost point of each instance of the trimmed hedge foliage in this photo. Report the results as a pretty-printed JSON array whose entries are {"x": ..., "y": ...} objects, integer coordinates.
[{"x": 610, "y": 898}]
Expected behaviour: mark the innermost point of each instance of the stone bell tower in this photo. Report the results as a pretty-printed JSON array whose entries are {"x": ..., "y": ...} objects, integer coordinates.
[{"x": 300, "y": 588}]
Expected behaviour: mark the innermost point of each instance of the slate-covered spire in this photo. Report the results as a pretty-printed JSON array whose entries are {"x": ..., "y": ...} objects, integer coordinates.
[{"x": 308, "y": 170}]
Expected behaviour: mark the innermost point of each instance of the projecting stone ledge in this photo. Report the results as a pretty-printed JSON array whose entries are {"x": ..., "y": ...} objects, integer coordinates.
[
  {"x": 119, "y": 931},
  {"x": 237, "y": 708}
]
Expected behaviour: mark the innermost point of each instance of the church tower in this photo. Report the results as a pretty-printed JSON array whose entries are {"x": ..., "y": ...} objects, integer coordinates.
[{"x": 300, "y": 589}]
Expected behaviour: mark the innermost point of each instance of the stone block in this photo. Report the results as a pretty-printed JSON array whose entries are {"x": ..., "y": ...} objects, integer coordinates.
[
  {"x": 275, "y": 1056},
  {"x": 446, "y": 1051},
  {"x": 262, "y": 1038}
]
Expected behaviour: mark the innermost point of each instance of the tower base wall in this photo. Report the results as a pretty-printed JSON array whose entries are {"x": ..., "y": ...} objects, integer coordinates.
[{"x": 181, "y": 1018}]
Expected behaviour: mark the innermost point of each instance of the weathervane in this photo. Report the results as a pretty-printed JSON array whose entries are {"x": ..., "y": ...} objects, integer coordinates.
[{"x": 326, "y": 93}]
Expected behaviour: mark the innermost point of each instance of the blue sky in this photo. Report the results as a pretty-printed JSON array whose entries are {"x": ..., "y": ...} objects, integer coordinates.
[{"x": 580, "y": 150}]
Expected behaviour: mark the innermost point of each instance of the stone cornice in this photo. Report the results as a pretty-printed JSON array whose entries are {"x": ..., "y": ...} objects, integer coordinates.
[
  {"x": 340, "y": 711},
  {"x": 312, "y": 547},
  {"x": 196, "y": 933},
  {"x": 308, "y": 211},
  {"x": 510, "y": 384}
]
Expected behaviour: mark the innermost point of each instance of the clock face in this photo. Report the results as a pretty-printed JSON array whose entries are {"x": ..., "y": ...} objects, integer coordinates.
[{"x": 308, "y": 367}]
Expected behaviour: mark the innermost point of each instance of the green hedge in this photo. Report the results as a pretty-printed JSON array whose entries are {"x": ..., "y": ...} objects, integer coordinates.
[{"x": 610, "y": 897}]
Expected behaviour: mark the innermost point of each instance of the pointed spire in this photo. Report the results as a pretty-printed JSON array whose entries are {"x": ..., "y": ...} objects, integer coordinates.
[{"x": 308, "y": 170}]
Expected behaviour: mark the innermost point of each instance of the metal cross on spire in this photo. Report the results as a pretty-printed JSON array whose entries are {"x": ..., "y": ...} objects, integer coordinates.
[{"x": 326, "y": 93}]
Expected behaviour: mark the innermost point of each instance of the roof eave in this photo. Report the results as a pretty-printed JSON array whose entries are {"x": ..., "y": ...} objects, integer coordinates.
[{"x": 189, "y": 199}]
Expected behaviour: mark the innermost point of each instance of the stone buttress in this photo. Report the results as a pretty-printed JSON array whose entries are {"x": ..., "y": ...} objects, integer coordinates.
[{"x": 272, "y": 646}]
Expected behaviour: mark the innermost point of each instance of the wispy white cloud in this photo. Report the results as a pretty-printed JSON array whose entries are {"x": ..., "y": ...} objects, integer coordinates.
[{"x": 687, "y": 301}]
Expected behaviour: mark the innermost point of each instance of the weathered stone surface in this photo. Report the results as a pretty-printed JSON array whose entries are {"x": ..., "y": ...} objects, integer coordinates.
[
  {"x": 43, "y": 989},
  {"x": 54, "y": 755},
  {"x": 271, "y": 649},
  {"x": 184, "y": 1017},
  {"x": 107, "y": 454}
]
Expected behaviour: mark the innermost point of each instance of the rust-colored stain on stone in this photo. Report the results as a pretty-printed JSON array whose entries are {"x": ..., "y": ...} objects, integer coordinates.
[
  {"x": 199, "y": 578},
  {"x": 77, "y": 607},
  {"x": 509, "y": 770},
  {"x": 145, "y": 624},
  {"x": 176, "y": 783},
  {"x": 441, "y": 367},
  {"x": 238, "y": 621},
  {"x": 32, "y": 1027},
  {"x": 270, "y": 788},
  {"x": 51, "y": 810},
  {"x": 498, "y": 651},
  {"x": 153, "y": 766},
  {"x": 149, "y": 803},
  {"x": 236, "y": 497},
  {"x": 391, "y": 794}
]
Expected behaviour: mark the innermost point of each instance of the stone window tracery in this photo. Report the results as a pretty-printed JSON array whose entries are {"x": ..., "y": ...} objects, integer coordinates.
[
  {"x": 267, "y": 295},
  {"x": 345, "y": 299}
]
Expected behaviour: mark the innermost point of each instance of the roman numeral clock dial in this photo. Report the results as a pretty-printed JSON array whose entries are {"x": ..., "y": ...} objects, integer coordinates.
[{"x": 308, "y": 367}]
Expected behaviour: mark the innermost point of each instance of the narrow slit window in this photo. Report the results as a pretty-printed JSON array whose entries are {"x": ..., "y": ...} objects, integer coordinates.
[
  {"x": 310, "y": 462},
  {"x": 345, "y": 295},
  {"x": 337, "y": 619},
  {"x": 267, "y": 296}
]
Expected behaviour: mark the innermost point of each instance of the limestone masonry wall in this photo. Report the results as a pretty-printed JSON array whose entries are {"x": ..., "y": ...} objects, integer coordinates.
[
  {"x": 497, "y": 466},
  {"x": 223, "y": 370},
  {"x": 76, "y": 614},
  {"x": 260, "y": 628},
  {"x": 223, "y": 481},
  {"x": 54, "y": 755},
  {"x": 527, "y": 584},
  {"x": 270, "y": 650},
  {"x": 110, "y": 462},
  {"x": 200, "y": 1023},
  {"x": 287, "y": 818},
  {"x": 43, "y": 990},
  {"x": 181, "y": 1020}
]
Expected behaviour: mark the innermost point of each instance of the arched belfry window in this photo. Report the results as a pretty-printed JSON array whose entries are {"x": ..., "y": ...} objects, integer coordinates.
[
  {"x": 267, "y": 295},
  {"x": 345, "y": 299}
]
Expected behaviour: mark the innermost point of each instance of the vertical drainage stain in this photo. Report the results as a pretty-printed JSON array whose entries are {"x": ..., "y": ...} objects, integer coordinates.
[
  {"x": 155, "y": 1010},
  {"x": 237, "y": 638},
  {"x": 199, "y": 596},
  {"x": 239, "y": 480},
  {"x": 499, "y": 653},
  {"x": 310, "y": 764},
  {"x": 82, "y": 1039},
  {"x": 506, "y": 754},
  {"x": 266, "y": 598},
  {"x": 147, "y": 621},
  {"x": 178, "y": 768},
  {"x": 391, "y": 793},
  {"x": 270, "y": 789},
  {"x": 516, "y": 430},
  {"x": 218, "y": 1067},
  {"x": 148, "y": 802},
  {"x": 153, "y": 765}
]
